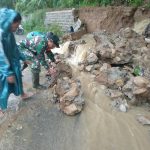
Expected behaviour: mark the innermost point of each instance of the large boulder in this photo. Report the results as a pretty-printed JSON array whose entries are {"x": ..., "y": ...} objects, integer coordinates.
[{"x": 92, "y": 58}]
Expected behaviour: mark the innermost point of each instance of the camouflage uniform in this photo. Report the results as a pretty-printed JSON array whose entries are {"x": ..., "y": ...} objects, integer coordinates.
[{"x": 34, "y": 48}]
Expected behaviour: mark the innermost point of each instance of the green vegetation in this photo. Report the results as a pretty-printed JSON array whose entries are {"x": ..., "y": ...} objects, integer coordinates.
[
  {"x": 136, "y": 2},
  {"x": 55, "y": 28},
  {"x": 35, "y": 22},
  {"x": 7, "y": 3},
  {"x": 28, "y": 6}
]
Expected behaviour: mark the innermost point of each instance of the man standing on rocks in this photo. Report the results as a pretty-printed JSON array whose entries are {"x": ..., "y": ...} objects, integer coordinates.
[{"x": 35, "y": 46}]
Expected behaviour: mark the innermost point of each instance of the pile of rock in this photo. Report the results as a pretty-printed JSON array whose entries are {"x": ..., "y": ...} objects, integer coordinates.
[
  {"x": 113, "y": 62},
  {"x": 118, "y": 49},
  {"x": 60, "y": 70},
  {"x": 67, "y": 91},
  {"x": 69, "y": 95}
]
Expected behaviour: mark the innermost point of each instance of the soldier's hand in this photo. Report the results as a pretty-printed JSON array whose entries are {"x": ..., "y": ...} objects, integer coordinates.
[
  {"x": 52, "y": 71},
  {"x": 53, "y": 64},
  {"x": 57, "y": 61},
  {"x": 11, "y": 79}
]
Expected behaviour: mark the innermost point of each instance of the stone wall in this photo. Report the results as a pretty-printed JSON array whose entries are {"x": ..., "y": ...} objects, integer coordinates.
[{"x": 64, "y": 18}]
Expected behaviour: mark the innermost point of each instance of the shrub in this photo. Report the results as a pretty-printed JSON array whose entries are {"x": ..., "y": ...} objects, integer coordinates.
[
  {"x": 36, "y": 23},
  {"x": 135, "y": 2},
  {"x": 55, "y": 28}
]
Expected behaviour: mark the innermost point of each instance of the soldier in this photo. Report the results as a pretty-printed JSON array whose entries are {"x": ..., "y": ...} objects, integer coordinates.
[{"x": 35, "y": 46}]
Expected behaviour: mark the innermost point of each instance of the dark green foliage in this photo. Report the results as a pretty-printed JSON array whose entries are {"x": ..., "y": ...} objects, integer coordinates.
[
  {"x": 36, "y": 23},
  {"x": 135, "y": 2},
  {"x": 7, "y": 3},
  {"x": 28, "y": 6}
]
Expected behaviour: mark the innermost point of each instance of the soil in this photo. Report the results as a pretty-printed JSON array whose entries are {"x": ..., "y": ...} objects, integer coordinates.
[{"x": 112, "y": 18}]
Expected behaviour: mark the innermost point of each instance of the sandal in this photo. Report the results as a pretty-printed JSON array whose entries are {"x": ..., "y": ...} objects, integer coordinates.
[{"x": 26, "y": 96}]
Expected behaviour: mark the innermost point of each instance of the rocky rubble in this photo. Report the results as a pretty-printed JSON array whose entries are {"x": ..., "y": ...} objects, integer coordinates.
[
  {"x": 59, "y": 71},
  {"x": 67, "y": 91},
  {"x": 69, "y": 95},
  {"x": 121, "y": 62}
]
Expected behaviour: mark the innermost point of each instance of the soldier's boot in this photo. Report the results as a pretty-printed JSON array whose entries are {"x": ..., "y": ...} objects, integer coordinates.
[{"x": 35, "y": 82}]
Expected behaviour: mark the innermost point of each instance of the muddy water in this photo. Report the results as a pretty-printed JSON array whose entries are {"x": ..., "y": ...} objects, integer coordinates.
[{"x": 107, "y": 129}]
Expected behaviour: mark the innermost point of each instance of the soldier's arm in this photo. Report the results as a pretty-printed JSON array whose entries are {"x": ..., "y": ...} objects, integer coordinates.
[
  {"x": 20, "y": 53},
  {"x": 43, "y": 61},
  {"x": 40, "y": 48},
  {"x": 50, "y": 56}
]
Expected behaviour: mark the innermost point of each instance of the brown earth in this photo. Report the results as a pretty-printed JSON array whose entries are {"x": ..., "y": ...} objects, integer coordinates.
[{"x": 111, "y": 18}]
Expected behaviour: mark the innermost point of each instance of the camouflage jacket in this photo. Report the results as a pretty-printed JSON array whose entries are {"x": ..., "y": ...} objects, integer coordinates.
[{"x": 34, "y": 48}]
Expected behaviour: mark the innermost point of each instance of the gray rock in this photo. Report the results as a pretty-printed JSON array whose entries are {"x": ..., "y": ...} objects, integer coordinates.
[
  {"x": 144, "y": 120},
  {"x": 89, "y": 68},
  {"x": 92, "y": 58}
]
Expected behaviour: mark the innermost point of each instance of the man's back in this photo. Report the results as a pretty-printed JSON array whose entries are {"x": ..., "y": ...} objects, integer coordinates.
[{"x": 35, "y": 41}]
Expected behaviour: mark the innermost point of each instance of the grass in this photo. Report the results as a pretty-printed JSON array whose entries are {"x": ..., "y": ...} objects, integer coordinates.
[{"x": 36, "y": 23}]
